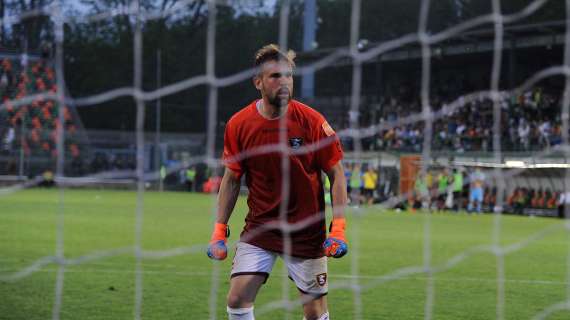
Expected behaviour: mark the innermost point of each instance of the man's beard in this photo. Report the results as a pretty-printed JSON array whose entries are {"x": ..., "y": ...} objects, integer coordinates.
[{"x": 279, "y": 102}]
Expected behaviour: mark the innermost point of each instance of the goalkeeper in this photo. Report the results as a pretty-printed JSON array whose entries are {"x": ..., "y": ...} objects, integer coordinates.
[{"x": 312, "y": 147}]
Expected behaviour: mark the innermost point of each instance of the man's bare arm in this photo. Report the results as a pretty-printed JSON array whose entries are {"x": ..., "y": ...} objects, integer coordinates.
[
  {"x": 227, "y": 197},
  {"x": 338, "y": 190},
  {"x": 336, "y": 245}
]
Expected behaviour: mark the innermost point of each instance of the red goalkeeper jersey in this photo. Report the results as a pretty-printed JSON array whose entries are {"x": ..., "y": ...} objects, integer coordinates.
[{"x": 251, "y": 145}]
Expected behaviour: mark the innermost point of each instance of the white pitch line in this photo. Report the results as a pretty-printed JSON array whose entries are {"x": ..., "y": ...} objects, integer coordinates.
[
  {"x": 332, "y": 276},
  {"x": 461, "y": 279}
]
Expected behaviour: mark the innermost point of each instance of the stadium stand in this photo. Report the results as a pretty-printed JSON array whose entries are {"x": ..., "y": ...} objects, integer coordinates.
[{"x": 31, "y": 129}]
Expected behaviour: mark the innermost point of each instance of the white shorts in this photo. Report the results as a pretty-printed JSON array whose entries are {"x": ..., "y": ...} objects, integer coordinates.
[
  {"x": 476, "y": 195},
  {"x": 309, "y": 275}
]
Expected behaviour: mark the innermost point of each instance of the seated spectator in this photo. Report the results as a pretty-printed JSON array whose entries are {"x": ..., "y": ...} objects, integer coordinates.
[
  {"x": 511, "y": 198},
  {"x": 541, "y": 202},
  {"x": 527, "y": 197},
  {"x": 490, "y": 198},
  {"x": 519, "y": 201},
  {"x": 535, "y": 198},
  {"x": 551, "y": 200}
]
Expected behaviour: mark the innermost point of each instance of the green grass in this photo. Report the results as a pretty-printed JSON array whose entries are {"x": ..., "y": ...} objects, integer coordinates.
[{"x": 179, "y": 286}]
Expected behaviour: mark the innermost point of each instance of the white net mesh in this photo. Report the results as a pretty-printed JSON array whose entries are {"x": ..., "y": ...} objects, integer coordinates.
[{"x": 61, "y": 146}]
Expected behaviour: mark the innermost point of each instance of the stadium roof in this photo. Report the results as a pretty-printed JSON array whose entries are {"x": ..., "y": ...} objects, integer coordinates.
[{"x": 546, "y": 34}]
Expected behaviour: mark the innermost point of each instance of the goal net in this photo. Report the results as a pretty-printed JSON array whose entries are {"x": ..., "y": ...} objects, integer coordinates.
[{"x": 111, "y": 132}]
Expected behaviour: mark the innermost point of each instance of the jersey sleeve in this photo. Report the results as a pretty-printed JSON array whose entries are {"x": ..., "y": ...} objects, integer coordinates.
[
  {"x": 232, "y": 150},
  {"x": 329, "y": 152}
]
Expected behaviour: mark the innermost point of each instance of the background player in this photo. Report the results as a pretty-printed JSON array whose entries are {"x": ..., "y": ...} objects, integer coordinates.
[{"x": 477, "y": 180}]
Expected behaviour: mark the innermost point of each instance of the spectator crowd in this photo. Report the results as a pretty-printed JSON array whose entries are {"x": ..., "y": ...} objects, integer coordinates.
[{"x": 529, "y": 121}]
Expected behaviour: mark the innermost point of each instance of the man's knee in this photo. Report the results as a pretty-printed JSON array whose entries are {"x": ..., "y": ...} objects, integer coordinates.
[
  {"x": 238, "y": 301},
  {"x": 239, "y": 307},
  {"x": 243, "y": 290}
]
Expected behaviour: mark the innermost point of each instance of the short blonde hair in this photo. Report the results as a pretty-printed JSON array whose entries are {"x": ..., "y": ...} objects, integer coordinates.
[{"x": 272, "y": 52}]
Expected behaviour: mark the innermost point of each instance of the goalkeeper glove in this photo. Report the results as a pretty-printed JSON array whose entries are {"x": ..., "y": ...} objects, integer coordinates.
[
  {"x": 217, "y": 248},
  {"x": 335, "y": 246}
]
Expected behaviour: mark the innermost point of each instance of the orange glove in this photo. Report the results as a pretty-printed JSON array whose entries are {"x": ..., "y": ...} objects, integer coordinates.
[
  {"x": 217, "y": 249},
  {"x": 336, "y": 246}
]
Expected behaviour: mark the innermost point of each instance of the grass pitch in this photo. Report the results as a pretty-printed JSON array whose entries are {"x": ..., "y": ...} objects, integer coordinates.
[{"x": 386, "y": 257}]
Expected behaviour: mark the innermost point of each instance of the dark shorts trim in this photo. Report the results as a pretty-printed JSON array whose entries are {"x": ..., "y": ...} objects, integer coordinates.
[
  {"x": 251, "y": 273},
  {"x": 315, "y": 296}
]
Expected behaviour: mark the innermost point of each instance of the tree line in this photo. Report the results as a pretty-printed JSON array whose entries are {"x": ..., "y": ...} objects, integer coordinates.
[{"x": 99, "y": 53}]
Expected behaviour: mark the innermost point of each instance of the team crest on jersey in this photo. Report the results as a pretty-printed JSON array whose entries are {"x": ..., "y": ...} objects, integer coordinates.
[
  {"x": 296, "y": 143},
  {"x": 322, "y": 279}
]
